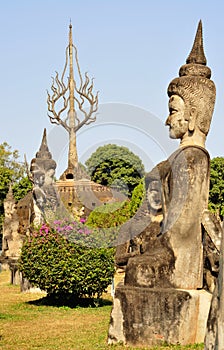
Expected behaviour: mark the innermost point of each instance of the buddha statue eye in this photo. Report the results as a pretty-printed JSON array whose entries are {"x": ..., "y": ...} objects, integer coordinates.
[{"x": 173, "y": 110}]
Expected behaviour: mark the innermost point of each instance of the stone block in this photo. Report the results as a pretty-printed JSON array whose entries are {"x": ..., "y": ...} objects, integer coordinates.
[{"x": 149, "y": 316}]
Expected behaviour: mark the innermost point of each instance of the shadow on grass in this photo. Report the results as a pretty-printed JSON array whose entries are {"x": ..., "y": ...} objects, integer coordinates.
[{"x": 71, "y": 302}]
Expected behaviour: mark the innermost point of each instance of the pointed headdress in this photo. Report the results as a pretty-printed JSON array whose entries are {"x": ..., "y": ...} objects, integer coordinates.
[
  {"x": 194, "y": 85},
  {"x": 43, "y": 160}
]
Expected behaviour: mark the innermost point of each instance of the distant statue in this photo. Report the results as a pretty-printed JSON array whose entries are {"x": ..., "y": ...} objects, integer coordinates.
[
  {"x": 42, "y": 168},
  {"x": 175, "y": 258},
  {"x": 38, "y": 192}
]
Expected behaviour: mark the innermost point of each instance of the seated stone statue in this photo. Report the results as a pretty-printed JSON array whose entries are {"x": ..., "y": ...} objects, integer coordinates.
[
  {"x": 175, "y": 257},
  {"x": 136, "y": 235}
]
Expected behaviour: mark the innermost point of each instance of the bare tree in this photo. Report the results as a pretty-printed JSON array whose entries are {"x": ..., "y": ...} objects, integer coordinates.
[{"x": 72, "y": 104}]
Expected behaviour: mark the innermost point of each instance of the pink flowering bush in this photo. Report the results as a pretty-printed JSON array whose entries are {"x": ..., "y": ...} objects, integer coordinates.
[
  {"x": 66, "y": 261},
  {"x": 79, "y": 233}
]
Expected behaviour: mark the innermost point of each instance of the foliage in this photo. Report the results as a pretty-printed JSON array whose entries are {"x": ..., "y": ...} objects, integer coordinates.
[
  {"x": 10, "y": 169},
  {"x": 60, "y": 261},
  {"x": 137, "y": 197},
  {"x": 115, "y": 214},
  {"x": 21, "y": 188},
  {"x": 109, "y": 215},
  {"x": 216, "y": 192},
  {"x": 115, "y": 166}
]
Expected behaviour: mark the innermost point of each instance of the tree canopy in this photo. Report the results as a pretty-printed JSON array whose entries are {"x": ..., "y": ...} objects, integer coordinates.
[
  {"x": 115, "y": 166},
  {"x": 216, "y": 192}
]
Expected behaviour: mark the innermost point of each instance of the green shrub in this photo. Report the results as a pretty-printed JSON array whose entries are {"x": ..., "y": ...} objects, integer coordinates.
[
  {"x": 109, "y": 215},
  {"x": 54, "y": 260},
  {"x": 137, "y": 197},
  {"x": 115, "y": 214}
]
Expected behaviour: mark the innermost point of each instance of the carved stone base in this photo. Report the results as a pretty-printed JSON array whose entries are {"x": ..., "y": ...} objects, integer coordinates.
[{"x": 149, "y": 317}]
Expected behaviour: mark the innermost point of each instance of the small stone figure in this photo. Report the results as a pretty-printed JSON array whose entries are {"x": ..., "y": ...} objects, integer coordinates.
[
  {"x": 12, "y": 240},
  {"x": 214, "y": 338}
]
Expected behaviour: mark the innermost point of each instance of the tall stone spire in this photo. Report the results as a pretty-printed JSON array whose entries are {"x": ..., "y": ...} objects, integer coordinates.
[
  {"x": 197, "y": 54},
  {"x": 78, "y": 104},
  {"x": 72, "y": 152}
]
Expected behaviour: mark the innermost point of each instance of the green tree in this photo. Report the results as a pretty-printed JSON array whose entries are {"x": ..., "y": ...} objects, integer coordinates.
[
  {"x": 216, "y": 192},
  {"x": 115, "y": 166},
  {"x": 21, "y": 188}
]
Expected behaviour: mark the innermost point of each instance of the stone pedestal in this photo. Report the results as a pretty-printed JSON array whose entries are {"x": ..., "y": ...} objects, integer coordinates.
[{"x": 150, "y": 316}]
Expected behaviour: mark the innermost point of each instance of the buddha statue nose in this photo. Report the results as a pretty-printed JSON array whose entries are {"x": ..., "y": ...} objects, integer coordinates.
[{"x": 167, "y": 122}]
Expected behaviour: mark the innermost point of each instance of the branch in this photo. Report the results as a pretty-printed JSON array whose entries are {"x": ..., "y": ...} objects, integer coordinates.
[
  {"x": 86, "y": 101},
  {"x": 58, "y": 93},
  {"x": 85, "y": 95},
  {"x": 59, "y": 90}
]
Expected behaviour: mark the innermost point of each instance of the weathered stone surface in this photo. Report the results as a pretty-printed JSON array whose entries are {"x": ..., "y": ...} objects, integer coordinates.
[
  {"x": 149, "y": 317},
  {"x": 151, "y": 269},
  {"x": 214, "y": 338},
  {"x": 138, "y": 234},
  {"x": 184, "y": 202},
  {"x": 12, "y": 241},
  {"x": 82, "y": 194},
  {"x": 185, "y": 196},
  {"x": 212, "y": 242}
]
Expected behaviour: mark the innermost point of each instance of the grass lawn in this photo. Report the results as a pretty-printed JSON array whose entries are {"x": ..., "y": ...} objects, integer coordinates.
[{"x": 26, "y": 325}]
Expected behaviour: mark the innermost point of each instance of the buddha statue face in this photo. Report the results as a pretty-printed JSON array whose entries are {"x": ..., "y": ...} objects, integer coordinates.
[
  {"x": 192, "y": 98},
  {"x": 49, "y": 176},
  {"x": 154, "y": 195},
  {"x": 38, "y": 178},
  {"x": 177, "y": 121},
  {"x": 191, "y": 104}
]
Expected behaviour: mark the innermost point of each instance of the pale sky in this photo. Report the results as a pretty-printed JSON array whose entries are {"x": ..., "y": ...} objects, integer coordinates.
[{"x": 133, "y": 49}]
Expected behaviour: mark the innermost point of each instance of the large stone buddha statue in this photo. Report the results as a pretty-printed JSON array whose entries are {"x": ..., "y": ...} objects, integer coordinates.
[
  {"x": 175, "y": 257},
  {"x": 161, "y": 298}
]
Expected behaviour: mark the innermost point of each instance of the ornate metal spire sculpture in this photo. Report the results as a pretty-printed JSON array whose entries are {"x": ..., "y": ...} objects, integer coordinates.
[{"x": 77, "y": 99}]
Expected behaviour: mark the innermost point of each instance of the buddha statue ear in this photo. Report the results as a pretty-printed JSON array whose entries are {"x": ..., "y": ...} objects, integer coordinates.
[{"x": 192, "y": 119}]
